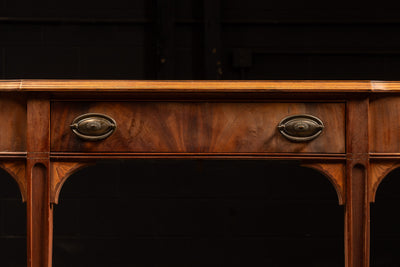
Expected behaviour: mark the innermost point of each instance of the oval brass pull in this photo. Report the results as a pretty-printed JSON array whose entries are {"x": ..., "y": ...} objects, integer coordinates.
[
  {"x": 301, "y": 128},
  {"x": 93, "y": 126}
]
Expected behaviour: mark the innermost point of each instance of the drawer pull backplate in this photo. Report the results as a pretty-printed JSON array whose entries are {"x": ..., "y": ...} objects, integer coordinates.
[
  {"x": 301, "y": 128},
  {"x": 93, "y": 126}
]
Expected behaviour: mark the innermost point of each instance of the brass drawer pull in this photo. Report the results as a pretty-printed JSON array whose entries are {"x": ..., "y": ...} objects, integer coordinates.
[
  {"x": 93, "y": 126},
  {"x": 301, "y": 128}
]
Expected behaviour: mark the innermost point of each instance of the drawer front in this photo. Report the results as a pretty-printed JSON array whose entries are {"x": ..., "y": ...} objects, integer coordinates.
[
  {"x": 384, "y": 125},
  {"x": 12, "y": 123},
  {"x": 197, "y": 127}
]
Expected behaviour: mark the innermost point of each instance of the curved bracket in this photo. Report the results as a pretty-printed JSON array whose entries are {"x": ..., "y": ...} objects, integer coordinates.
[
  {"x": 17, "y": 170},
  {"x": 59, "y": 173},
  {"x": 335, "y": 172},
  {"x": 378, "y": 171}
]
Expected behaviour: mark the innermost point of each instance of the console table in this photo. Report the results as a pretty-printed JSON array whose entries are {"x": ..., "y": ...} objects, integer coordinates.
[{"x": 347, "y": 130}]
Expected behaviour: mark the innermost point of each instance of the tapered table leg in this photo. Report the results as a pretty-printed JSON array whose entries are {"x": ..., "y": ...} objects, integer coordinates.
[
  {"x": 357, "y": 205},
  {"x": 40, "y": 214}
]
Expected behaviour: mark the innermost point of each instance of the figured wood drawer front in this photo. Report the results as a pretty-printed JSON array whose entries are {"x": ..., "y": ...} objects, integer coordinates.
[
  {"x": 12, "y": 123},
  {"x": 384, "y": 125},
  {"x": 197, "y": 127}
]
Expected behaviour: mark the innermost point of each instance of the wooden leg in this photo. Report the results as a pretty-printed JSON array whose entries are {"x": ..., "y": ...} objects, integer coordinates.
[
  {"x": 357, "y": 218},
  {"x": 357, "y": 203},
  {"x": 40, "y": 215}
]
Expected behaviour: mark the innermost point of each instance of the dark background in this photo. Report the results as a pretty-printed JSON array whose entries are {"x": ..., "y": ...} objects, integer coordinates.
[{"x": 199, "y": 39}]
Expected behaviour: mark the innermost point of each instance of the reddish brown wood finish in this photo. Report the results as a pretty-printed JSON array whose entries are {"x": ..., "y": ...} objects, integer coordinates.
[
  {"x": 182, "y": 87},
  {"x": 39, "y": 246},
  {"x": 384, "y": 125},
  {"x": 378, "y": 171},
  {"x": 39, "y": 209},
  {"x": 200, "y": 119},
  {"x": 357, "y": 206},
  {"x": 202, "y": 127},
  {"x": 335, "y": 172},
  {"x": 16, "y": 169},
  {"x": 12, "y": 123},
  {"x": 59, "y": 172}
]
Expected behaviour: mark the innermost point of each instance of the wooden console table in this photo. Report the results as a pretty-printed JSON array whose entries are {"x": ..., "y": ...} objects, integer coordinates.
[{"x": 347, "y": 130}]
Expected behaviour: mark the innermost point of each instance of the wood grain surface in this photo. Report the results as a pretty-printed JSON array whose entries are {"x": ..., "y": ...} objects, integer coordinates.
[
  {"x": 357, "y": 216},
  {"x": 12, "y": 123},
  {"x": 378, "y": 172},
  {"x": 335, "y": 172},
  {"x": 384, "y": 126},
  {"x": 39, "y": 210},
  {"x": 182, "y": 86},
  {"x": 361, "y": 123},
  {"x": 59, "y": 172},
  {"x": 178, "y": 127},
  {"x": 17, "y": 170}
]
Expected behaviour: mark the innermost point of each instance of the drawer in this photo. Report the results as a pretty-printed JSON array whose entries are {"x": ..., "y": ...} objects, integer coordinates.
[
  {"x": 12, "y": 123},
  {"x": 384, "y": 125},
  {"x": 197, "y": 127}
]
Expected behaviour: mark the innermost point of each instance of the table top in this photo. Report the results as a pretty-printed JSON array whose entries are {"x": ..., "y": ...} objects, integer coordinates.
[{"x": 198, "y": 86}]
